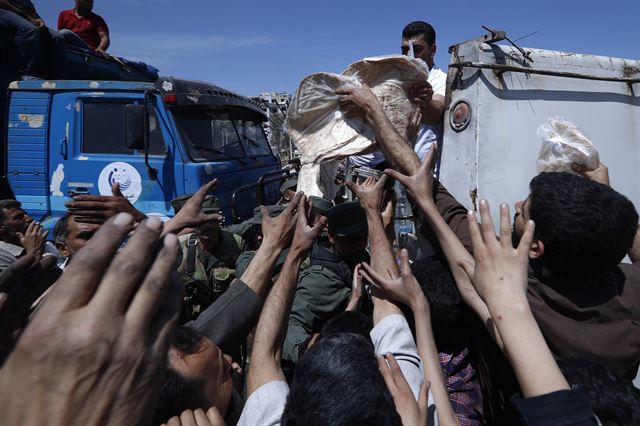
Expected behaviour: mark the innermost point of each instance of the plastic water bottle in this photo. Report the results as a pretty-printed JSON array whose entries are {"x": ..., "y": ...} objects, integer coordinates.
[{"x": 404, "y": 215}]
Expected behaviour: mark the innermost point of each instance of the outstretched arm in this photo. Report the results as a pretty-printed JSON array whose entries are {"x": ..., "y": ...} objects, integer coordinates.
[
  {"x": 396, "y": 149},
  {"x": 272, "y": 326}
]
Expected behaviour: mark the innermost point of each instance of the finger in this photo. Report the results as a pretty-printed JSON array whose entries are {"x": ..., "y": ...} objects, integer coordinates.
[
  {"x": 115, "y": 190},
  {"x": 319, "y": 225},
  {"x": 215, "y": 417},
  {"x": 302, "y": 212},
  {"x": 386, "y": 374},
  {"x": 526, "y": 240},
  {"x": 156, "y": 283},
  {"x": 44, "y": 233},
  {"x": 20, "y": 235},
  {"x": 396, "y": 372},
  {"x": 187, "y": 418},
  {"x": 165, "y": 321},
  {"x": 373, "y": 276},
  {"x": 476, "y": 237},
  {"x": 80, "y": 279},
  {"x": 352, "y": 186},
  {"x": 174, "y": 421},
  {"x": 382, "y": 181},
  {"x": 213, "y": 217},
  {"x": 204, "y": 190},
  {"x": 505, "y": 227},
  {"x": 88, "y": 198},
  {"x": 31, "y": 227},
  {"x": 127, "y": 269},
  {"x": 344, "y": 90},
  {"x": 397, "y": 176},
  {"x": 429, "y": 161},
  {"x": 404, "y": 262},
  {"x": 486, "y": 226},
  {"x": 103, "y": 211},
  {"x": 88, "y": 219},
  {"x": 201, "y": 418},
  {"x": 369, "y": 181}
]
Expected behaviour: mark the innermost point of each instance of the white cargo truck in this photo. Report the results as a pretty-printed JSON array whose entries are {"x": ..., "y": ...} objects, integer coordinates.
[{"x": 498, "y": 95}]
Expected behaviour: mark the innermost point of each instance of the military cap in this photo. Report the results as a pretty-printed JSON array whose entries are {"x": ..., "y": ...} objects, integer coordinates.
[
  {"x": 274, "y": 211},
  {"x": 210, "y": 204},
  {"x": 288, "y": 184},
  {"x": 347, "y": 219},
  {"x": 321, "y": 205}
]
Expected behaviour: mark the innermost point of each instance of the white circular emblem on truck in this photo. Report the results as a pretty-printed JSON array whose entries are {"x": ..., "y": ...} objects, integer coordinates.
[{"x": 126, "y": 175}]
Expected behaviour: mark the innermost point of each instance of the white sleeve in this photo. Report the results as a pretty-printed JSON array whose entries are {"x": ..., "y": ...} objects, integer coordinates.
[
  {"x": 265, "y": 405},
  {"x": 392, "y": 334},
  {"x": 438, "y": 81}
]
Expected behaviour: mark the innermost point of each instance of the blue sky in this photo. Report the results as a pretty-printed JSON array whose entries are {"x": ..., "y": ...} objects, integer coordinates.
[{"x": 258, "y": 46}]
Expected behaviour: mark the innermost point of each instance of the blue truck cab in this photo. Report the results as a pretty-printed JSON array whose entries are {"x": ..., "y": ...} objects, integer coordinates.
[{"x": 158, "y": 140}]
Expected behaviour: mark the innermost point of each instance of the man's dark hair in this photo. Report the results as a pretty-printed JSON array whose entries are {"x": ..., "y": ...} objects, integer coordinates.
[
  {"x": 449, "y": 314},
  {"x": 61, "y": 229},
  {"x": 179, "y": 393},
  {"x": 8, "y": 204},
  {"x": 338, "y": 382},
  {"x": 586, "y": 227},
  {"x": 348, "y": 322},
  {"x": 616, "y": 402},
  {"x": 417, "y": 28}
]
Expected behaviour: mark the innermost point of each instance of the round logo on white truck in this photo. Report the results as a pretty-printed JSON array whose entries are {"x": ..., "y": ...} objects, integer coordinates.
[{"x": 126, "y": 175}]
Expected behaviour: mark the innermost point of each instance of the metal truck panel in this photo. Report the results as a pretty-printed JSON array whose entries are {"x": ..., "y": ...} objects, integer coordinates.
[
  {"x": 60, "y": 85},
  {"x": 26, "y": 149},
  {"x": 495, "y": 156}
]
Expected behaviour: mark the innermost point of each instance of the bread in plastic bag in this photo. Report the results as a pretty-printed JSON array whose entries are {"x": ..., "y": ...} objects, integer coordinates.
[
  {"x": 563, "y": 146},
  {"x": 322, "y": 133}
]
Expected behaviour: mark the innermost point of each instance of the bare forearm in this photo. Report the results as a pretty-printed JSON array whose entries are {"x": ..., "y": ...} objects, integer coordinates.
[
  {"x": 395, "y": 147},
  {"x": 431, "y": 362},
  {"x": 383, "y": 262},
  {"x": 526, "y": 349},
  {"x": 433, "y": 110},
  {"x": 271, "y": 328},
  {"x": 104, "y": 42},
  {"x": 260, "y": 271}
]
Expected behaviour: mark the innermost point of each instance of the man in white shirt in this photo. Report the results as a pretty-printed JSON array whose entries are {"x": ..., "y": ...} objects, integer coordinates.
[{"x": 419, "y": 41}]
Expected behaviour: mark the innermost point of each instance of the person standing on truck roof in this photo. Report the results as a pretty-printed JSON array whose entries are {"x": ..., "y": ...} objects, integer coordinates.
[
  {"x": 419, "y": 41},
  {"x": 41, "y": 50},
  {"x": 88, "y": 26}
]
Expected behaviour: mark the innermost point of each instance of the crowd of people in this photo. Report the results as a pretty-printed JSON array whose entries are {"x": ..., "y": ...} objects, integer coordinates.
[{"x": 306, "y": 313}]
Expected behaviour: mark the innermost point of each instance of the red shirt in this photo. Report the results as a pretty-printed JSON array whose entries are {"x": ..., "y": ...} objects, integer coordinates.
[{"x": 87, "y": 28}]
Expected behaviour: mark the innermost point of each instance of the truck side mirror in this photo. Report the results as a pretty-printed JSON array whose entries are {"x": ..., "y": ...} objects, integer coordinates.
[{"x": 134, "y": 126}]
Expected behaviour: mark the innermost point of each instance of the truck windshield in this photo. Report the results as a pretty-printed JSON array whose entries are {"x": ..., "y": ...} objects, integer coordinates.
[{"x": 214, "y": 136}]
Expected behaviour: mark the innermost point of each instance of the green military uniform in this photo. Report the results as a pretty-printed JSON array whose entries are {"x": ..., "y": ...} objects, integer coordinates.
[
  {"x": 324, "y": 288},
  {"x": 206, "y": 274}
]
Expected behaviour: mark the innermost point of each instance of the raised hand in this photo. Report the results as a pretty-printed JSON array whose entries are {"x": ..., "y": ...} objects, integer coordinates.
[
  {"x": 305, "y": 235},
  {"x": 370, "y": 192},
  {"x": 104, "y": 330},
  {"x": 356, "y": 289},
  {"x": 33, "y": 239},
  {"x": 411, "y": 412},
  {"x": 191, "y": 214},
  {"x": 419, "y": 185},
  {"x": 280, "y": 230},
  {"x": 404, "y": 289},
  {"x": 99, "y": 208},
  {"x": 500, "y": 272}
]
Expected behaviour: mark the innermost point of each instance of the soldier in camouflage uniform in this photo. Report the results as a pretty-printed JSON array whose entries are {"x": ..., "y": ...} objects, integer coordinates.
[{"x": 208, "y": 262}]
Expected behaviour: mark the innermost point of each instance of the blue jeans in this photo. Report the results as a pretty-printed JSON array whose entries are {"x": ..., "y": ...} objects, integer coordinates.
[{"x": 41, "y": 51}]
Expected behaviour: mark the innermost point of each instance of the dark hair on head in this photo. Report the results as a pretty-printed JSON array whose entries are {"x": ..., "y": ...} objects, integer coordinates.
[
  {"x": 348, "y": 322},
  {"x": 8, "y": 204},
  {"x": 449, "y": 314},
  {"x": 616, "y": 402},
  {"x": 61, "y": 229},
  {"x": 417, "y": 28},
  {"x": 586, "y": 227},
  {"x": 338, "y": 382},
  {"x": 179, "y": 393}
]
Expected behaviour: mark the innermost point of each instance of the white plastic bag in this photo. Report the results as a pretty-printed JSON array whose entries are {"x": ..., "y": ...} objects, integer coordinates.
[{"x": 565, "y": 145}]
